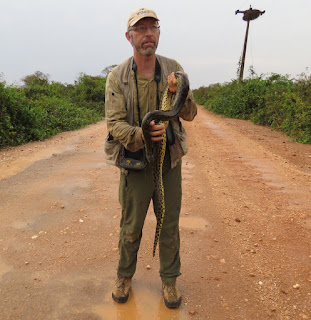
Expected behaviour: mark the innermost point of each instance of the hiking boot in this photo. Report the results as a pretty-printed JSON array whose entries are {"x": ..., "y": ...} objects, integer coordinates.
[
  {"x": 121, "y": 289},
  {"x": 171, "y": 295}
]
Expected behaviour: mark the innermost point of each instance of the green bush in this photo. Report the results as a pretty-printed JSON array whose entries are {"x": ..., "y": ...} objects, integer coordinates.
[
  {"x": 275, "y": 101},
  {"x": 15, "y": 117},
  {"x": 53, "y": 115},
  {"x": 90, "y": 91},
  {"x": 41, "y": 109}
]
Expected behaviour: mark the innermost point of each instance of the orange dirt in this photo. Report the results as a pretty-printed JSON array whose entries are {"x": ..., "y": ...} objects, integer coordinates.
[{"x": 245, "y": 228}]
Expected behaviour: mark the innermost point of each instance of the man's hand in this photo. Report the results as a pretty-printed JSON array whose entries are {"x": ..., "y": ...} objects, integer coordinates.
[
  {"x": 172, "y": 82},
  {"x": 156, "y": 131}
]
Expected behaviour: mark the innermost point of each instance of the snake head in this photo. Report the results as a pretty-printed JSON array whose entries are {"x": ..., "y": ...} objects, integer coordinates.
[{"x": 181, "y": 74}]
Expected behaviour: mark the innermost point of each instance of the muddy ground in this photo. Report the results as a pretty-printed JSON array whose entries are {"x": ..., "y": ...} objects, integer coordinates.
[{"x": 245, "y": 229}]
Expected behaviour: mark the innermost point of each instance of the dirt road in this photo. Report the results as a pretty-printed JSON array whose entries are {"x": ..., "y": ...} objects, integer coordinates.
[{"x": 245, "y": 229}]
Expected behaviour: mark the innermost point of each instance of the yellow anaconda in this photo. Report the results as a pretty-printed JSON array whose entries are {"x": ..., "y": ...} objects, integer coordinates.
[{"x": 171, "y": 105}]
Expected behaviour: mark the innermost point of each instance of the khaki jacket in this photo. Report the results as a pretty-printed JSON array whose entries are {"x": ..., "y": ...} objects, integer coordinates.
[{"x": 120, "y": 107}]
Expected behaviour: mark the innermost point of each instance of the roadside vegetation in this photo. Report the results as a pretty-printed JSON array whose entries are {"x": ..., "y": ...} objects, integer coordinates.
[
  {"x": 275, "y": 101},
  {"x": 40, "y": 109}
]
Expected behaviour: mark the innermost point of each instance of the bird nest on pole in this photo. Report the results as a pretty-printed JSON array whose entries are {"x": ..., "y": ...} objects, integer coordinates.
[{"x": 250, "y": 14}]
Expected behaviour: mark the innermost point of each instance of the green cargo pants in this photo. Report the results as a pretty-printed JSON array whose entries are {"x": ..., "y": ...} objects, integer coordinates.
[{"x": 135, "y": 194}]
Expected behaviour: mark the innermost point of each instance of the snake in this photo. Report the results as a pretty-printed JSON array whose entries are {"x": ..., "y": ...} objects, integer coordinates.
[{"x": 171, "y": 104}]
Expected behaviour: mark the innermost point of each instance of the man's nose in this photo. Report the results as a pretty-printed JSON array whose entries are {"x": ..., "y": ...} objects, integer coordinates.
[{"x": 148, "y": 31}]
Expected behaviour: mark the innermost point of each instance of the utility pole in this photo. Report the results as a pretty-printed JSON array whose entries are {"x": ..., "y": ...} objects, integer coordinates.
[{"x": 250, "y": 14}]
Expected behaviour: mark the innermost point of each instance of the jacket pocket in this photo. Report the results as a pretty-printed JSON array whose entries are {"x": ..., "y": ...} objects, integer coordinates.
[{"x": 112, "y": 150}]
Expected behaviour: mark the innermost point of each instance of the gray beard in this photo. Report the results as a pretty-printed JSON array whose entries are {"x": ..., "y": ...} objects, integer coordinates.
[
  {"x": 146, "y": 52},
  {"x": 149, "y": 51}
]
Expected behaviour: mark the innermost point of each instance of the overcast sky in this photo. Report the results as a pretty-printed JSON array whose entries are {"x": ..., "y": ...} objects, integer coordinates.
[{"x": 63, "y": 38}]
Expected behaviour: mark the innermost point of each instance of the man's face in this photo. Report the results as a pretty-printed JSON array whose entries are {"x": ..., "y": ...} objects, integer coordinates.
[{"x": 144, "y": 36}]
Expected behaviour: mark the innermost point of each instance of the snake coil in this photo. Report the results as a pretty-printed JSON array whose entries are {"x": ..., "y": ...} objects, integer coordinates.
[{"x": 170, "y": 106}]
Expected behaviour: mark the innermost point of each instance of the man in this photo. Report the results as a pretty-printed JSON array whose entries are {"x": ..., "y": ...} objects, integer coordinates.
[{"x": 133, "y": 89}]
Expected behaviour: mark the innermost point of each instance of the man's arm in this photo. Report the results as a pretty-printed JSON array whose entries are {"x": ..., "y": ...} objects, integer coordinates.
[
  {"x": 189, "y": 110},
  {"x": 116, "y": 117}
]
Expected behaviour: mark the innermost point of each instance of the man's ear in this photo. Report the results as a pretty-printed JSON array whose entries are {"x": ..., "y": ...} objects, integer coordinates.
[{"x": 128, "y": 36}]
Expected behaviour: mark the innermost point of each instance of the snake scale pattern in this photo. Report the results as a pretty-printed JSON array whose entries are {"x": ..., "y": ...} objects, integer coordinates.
[{"x": 170, "y": 106}]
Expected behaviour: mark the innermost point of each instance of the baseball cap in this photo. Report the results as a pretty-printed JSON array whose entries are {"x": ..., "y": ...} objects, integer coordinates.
[{"x": 139, "y": 14}]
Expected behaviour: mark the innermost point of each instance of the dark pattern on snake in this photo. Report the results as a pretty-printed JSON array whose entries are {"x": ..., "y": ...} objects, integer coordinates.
[{"x": 171, "y": 104}]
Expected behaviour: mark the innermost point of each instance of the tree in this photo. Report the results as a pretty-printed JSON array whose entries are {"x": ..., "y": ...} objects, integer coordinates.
[
  {"x": 2, "y": 77},
  {"x": 106, "y": 71},
  {"x": 38, "y": 78}
]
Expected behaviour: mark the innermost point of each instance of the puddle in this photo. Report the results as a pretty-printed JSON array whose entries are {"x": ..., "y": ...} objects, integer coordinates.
[
  {"x": 143, "y": 304},
  {"x": 193, "y": 223},
  {"x": 298, "y": 196},
  {"x": 68, "y": 186},
  {"x": 187, "y": 165},
  {"x": 38, "y": 223},
  {"x": 217, "y": 129},
  {"x": 23, "y": 162},
  {"x": 21, "y": 225},
  {"x": 186, "y": 172},
  {"x": 186, "y": 177},
  {"x": 95, "y": 165},
  {"x": 4, "y": 268},
  {"x": 268, "y": 174},
  {"x": 308, "y": 223}
]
